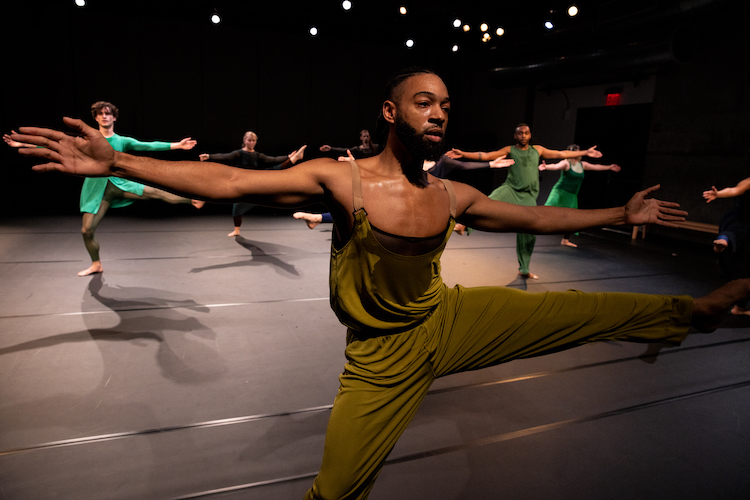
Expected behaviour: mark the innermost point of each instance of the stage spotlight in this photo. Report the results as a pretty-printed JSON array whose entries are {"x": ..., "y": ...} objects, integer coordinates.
[
  {"x": 572, "y": 11},
  {"x": 346, "y": 5},
  {"x": 467, "y": 27},
  {"x": 548, "y": 25},
  {"x": 313, "y": 31},
  {"x": 402, "y": 10},
  {"x": 456, "y": 23},
  {"x": 215, "y": 18},
  {"x": 454, "y": 48},
  {"x": 484, "y": 27},
  {"x": 486, "y": 37},
  {"x": 409, "y": 43},
  {"x": 81, "y": 3},
  {"x": 499, "y": 32}
]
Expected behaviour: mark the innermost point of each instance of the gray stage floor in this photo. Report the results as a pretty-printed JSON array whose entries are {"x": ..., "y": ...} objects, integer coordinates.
[{"x": 197, "y": 366}]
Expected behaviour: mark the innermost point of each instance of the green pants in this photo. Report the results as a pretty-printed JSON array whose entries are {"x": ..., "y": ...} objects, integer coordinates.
[
  {"x": 387, "y": 376},
  {"x": 524, "y": 242}
]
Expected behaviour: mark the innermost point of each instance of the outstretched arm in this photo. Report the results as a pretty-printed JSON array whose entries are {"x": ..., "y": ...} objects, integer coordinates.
[
  {"x": 560, "y": 165},
  {"x": 479, "y": 155},
  {"x": 478, "y": 211},
  {"x": 555, "y": 154},
  {"x": 89, "y": 154},
  {"x": 728, "y": 192},
  {"x": 596, "y": 166}
]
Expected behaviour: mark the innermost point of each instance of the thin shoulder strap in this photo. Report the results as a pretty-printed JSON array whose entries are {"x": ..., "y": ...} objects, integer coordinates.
[
  {"x": 357, "y": 187},
  {"x": 451, "y": 196}
]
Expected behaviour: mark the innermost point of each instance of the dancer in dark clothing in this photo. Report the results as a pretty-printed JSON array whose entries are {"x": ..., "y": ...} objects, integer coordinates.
[
  {"x": 365, "y": 149},
  {"x": 248, "y": 158}
]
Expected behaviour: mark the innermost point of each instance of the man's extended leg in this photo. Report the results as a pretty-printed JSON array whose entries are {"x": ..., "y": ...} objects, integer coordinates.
[
  {"x": 491, "y": 325},
  {"x": 481, "y": 327}
]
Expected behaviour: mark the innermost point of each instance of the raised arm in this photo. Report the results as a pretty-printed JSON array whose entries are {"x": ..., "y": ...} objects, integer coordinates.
[
  {"x": 596, "y": 166},
  {"x": 728, "y": 192},
  {"x": 89, "y": 154},
  {"x": 478, "y": 211},
  {"x": 555, "y": 154},
  {"x": 478, "y": 155}
]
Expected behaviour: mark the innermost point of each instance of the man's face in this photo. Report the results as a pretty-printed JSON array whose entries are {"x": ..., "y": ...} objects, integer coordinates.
[
  {"x": 422, "y": 116},
  {"x": 522, "y": 135},
  {"x": 105, "y": 118},
  {"x": 364, "y": 137}
]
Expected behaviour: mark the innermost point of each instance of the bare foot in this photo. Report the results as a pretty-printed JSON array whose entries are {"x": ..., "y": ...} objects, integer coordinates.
[
  {"x": 709, "y": 311},
  {"x": 459, "y": 228},
  {"x": 236, "y": 232},
  {"x": 96, "y": 267},
  {"x": 566, "y": 242},
  {"x": 720, "y": 245},
  {"x": 311, "y": 220},
  {"x": 740, "y": 311},
  {"x": 198, "y": 203},
  {"x": 529, "y": 276}
]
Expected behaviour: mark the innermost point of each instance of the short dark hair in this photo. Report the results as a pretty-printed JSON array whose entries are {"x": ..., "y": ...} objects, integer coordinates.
[
  {"x": 574, "y": 147},
  {"x": 393, "y": 87},
  {"x": 98, "y": 106},
  {"x": 392, "y": 92}
]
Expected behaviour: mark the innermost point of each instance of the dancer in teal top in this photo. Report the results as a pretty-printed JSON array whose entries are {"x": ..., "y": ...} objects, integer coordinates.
[
  {"x": 98, "y": 194},
  {"x": 522, "y": 185},
  {"x": 565, "y": 191}
]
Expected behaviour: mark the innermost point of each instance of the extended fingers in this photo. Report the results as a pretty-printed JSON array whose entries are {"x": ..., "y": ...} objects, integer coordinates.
[
  {"x": 45, "y": 153},
  {"x": 44, "y": 137}
]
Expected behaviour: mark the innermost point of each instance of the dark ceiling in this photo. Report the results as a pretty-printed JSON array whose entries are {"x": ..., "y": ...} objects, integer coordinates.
[{"x": 619, "y": 39}]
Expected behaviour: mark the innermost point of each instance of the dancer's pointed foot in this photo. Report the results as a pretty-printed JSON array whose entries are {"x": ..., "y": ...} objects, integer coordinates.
[
  {"x": 311, "y": 220},
  {"x": 720, "y": 245},
  {"x": 459, "y": 228},
  {"x": 709, "y": 311},
  {"x": 198, "y": 203},
  {"x": 236, "y": 232},
  {"x": 566, "y": 242},
  {"x": 96, "y": 267},
  {"x": 739, "y": 311},
  {"x": 528, "y": 276}
]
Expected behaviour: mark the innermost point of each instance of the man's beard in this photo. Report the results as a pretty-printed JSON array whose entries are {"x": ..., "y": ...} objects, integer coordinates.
[{"x": 416, "y": 144}]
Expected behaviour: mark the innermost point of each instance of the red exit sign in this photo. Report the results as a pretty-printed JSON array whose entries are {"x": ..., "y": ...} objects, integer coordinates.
[{"x": 613, "y": 99}]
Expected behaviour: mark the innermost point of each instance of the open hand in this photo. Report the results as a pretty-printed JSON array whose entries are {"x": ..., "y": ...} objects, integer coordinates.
[
  {"x": 640, "y": 210},
  {"x": 501, "y": 162},
  {"x": 88, "y": 153},
  {"x": 186, "y": 143},
  {"x": 454, "y": 154},
  {"x": 711, "y": 194},
  {"x": 592, "y": 152}
]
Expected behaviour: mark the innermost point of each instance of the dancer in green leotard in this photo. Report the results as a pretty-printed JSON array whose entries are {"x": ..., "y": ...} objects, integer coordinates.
[
  {"x": 98, "y": 194},
  {"x": 565, "y": 191},
  {"x": 522, "y": 185}
]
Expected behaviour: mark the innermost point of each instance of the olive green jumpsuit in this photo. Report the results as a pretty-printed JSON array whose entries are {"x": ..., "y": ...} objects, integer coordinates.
[{"x": 406, "y": 328}]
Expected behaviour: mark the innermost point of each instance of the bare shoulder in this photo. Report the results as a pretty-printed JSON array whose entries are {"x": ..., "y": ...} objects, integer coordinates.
[{"x": 466, "y": 195}]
